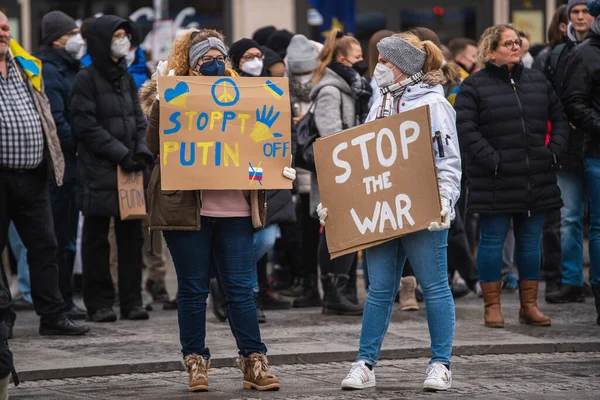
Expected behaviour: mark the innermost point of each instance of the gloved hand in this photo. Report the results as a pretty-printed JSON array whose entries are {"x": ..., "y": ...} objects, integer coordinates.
[
  {"x": 445, "y": 213},
  {"x": 289, "y": 173},
  {"x": 161, "y": 68},
  {"x": 140, "y": 162},
  {"x": 128, "y": 164},
  {"x": 322, "y": 213}
]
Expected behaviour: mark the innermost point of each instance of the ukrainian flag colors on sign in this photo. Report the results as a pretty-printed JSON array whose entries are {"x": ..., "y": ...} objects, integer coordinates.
[{"x": 224, "y": 133}]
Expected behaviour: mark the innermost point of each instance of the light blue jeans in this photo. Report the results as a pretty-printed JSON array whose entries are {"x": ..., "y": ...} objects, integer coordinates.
[
  {"x": 592, "y": 180},
  {"x": 427, "y": 252},
  {"x": 263, "y": 242},
  {"x": 572, "y": 189},
  {"x": 20, "y": 252}
]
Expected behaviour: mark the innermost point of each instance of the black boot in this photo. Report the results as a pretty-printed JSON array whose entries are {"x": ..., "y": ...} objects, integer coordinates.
[
  {"x": 552, "y": 286},
  {"x": 260, "y": 313},
  {"x": 596, "y": 289},
  {"x": 567, "y": 294},
  {"x": 334, "y": 302},
  {"x": 310, "y": 296},
  {"x": 295, "y": 290},
  {"x": 349, "y": 289}
]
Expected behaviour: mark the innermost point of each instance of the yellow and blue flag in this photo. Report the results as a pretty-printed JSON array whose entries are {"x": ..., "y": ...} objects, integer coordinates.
[
  {"x": 338, "y": 14},
  {"x": 31, "y": 65}
]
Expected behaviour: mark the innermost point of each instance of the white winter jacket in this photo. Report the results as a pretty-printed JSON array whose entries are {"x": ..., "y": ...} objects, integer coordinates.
[{"x": 443, "y": 119}]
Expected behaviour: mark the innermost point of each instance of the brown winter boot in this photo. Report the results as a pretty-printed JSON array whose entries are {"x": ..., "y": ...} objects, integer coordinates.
[
  {"x": 491, "y": 299},
  {"x": 256, "y": 372},
  {"x": 529, "y": 312},
  {"x": 408, "y": 300},
  {"x": 198, "y": 368}
]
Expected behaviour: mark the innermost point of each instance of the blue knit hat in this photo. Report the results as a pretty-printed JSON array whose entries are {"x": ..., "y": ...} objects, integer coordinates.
[
  {"x": 573, "y": 3},
  {"x": 594, "y": 8}
]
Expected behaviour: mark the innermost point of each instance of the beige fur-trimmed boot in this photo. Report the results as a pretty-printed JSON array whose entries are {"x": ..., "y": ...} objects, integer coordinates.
[
  {"x": 197, "y": 366},
  {"x": 256, "y": 372}
]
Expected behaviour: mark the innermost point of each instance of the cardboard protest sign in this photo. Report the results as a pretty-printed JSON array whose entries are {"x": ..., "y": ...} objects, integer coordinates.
[
  {"x": 132, "y": 198},
  {"x": 378, "y": 181},
  {"x": 224, "y": 133}
]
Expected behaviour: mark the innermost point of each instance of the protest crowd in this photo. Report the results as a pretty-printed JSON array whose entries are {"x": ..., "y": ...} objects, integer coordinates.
[{"x": 515, "y": 148}]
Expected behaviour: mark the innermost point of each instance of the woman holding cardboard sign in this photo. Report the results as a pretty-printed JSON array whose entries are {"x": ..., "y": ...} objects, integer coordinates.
[
  {"x": 199, "y": 226},
  {"x": 503, "y": 112},
  {"x": 410, "y": 76}
]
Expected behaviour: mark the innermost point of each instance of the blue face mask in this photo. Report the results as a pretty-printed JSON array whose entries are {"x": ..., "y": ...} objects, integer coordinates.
[{"x": 213, "y": 68}]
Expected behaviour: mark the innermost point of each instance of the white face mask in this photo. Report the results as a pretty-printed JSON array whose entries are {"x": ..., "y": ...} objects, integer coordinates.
[
  {"x": 304, "y": 79},
  {"x": 75, "y": 47},
  {"x": 130, "y": 57},
  {"x": 384, "y": 75},
  {"x": 253, "y": 67},
  {"x": 120, "y": 47}
]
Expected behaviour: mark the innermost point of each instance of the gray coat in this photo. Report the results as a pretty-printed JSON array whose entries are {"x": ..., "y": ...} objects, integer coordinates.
[{"x": 327, "y": 94}]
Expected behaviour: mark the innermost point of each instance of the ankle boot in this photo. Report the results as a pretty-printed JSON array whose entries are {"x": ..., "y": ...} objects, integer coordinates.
[
  {"x": 408, "y": 300},
  {"x": 596, "y": 289},
  {"x": 350, "y": 289},
  {"x": 260, "y": 313},
  {"x": 310, "y": 297},
  {"x": 295, "y": 290},
  {"x": 256, "y": 372},
  {"x": 197, "y": 367},
  {"x": 491, "y": 299},
  {"x": 335, "y": 303},
  {"x": 529, "y": 312}
]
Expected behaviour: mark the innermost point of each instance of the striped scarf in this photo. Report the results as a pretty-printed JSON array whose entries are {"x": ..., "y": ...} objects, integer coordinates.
[{"x": 395, "y": 91}]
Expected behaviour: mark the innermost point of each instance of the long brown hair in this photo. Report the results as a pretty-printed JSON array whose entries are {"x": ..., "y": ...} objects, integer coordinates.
[
  {"x": 555, "y": 35},
  {"x": 373, "y": 52},
  {"x": 333, "y": 47}
]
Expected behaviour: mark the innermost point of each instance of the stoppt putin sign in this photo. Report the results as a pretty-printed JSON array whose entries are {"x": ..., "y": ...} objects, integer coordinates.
[
  {"x": 224, "y": 133},
  {"x": 378, "y": 181}
]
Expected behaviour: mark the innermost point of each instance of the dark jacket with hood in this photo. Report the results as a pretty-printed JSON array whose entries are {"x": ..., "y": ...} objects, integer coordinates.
[
  {"x": 107, "y": 121},
  {"x": 581, "y": 92},
  {"x": 58, "y": 71},
  {"x": 572, "y": 161},
  {"x": 502, "y": 128}
]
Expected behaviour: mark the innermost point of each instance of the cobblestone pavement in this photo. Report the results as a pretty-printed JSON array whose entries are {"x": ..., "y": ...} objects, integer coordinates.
[{"x": 574, "y": 376}]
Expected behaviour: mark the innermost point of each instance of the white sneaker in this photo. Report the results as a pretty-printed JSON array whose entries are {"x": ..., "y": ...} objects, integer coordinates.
[
  {"x": 359, "y": 377},
  {"x": 438, "y": 378}
]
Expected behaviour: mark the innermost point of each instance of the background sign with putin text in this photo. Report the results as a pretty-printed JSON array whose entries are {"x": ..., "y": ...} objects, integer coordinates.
[
  {"x": 224, "y": 132},
  {"x": 378, "y": 181}
]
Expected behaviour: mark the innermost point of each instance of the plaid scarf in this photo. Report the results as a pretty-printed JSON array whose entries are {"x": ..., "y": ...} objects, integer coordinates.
[{"x": 395, "y": 91}]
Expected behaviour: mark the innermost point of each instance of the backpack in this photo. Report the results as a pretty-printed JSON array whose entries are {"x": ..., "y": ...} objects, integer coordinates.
[
  {"x": 551, "y": 67},
  {"x": 306, "y": 134}
]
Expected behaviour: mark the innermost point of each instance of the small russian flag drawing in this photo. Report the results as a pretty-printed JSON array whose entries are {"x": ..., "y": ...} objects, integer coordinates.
[{"x": 255, "y": 174}]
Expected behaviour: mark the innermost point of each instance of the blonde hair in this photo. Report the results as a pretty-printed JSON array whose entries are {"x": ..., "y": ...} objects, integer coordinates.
[
  {"x": 489, "y": 41},
  {"x": 179, "y": 59},
  {"x": 333, "y": 47},
  {"x": 434, "y": 57}
]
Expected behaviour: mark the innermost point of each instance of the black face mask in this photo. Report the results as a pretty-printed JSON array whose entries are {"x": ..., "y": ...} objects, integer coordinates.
[{"x": 361, "y": 67}]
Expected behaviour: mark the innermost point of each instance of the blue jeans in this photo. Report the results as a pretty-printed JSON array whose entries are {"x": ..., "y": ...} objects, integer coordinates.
[
  {"x": 20, "y": 252},
  {"x": 528, "y": 236},
  {"x": 230, "y": 240},
  {"x": 264, "y": 240},
  {"x": 427, "y": 252},
  {"x": 592, "y": 179},
  {"x": 572, "y": 188}
]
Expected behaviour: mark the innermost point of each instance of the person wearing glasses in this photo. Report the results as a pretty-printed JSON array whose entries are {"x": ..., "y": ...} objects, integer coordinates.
[
  {"x": 60, "y": 53},
  {"x": 503, "y": 112},
  {"x": 109, "y": 128},
  {"x": 202, "y": 226},
  {"x": 247, "y": 58}
]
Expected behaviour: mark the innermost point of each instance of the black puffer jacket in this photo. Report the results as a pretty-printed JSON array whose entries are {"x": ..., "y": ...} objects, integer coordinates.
[
  {"x": 502, "y": 129},
  {"x": 107, "y": 121},
  {"x": 581, "y": 92}
]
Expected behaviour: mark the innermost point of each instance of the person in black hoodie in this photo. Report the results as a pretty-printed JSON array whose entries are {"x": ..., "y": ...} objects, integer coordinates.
[
  {"x": 110, "y": 129},
  {"x": 502, "y": 116},
  {"x": 581, "y": 95},
  {"x": 60, "y": 53}
]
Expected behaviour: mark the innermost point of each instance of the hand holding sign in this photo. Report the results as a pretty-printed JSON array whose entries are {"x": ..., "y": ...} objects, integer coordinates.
[
  {"x": 445, "y": 213},
  {"x": 379, "y": 182}
]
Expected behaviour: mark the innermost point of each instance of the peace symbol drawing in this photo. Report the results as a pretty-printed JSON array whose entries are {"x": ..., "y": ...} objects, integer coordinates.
[{"x": 225, "y": 92}]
